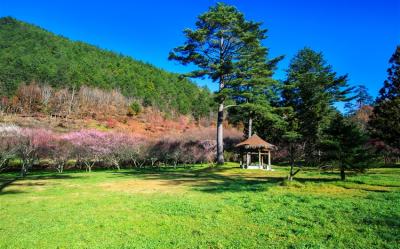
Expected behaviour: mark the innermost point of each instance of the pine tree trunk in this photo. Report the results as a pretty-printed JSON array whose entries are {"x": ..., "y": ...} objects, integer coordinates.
[
  {"x": 220, "y": 135},
  {"x": 250, "y": 127},
  {"x": 220, "y": 118},
  {"x": 342, "y": 174},
  {"x": 290, "y": 178},
  {"x": 292, "y": 157}
]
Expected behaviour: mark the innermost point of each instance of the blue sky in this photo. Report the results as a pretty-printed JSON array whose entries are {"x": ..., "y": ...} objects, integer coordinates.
[{"x": 357, "y": 37}]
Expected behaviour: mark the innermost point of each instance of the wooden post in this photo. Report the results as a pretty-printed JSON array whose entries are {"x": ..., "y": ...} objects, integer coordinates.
[
  {"x": 241, "y": 160},
  {"x": 262, "y": 161},
  {"x": 269, "y": 160}
]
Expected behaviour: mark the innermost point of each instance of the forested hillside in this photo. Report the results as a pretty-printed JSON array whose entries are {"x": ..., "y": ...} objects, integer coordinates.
[{"x": 29, "y": 53}]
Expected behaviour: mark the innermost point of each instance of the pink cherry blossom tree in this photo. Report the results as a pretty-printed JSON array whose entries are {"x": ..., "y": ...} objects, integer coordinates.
[
  {"x": 120, "y": 148},
  {"x": 88, "y": 146},
  {"x": 61, "y": 153},
  {"x": 32, "y": 143}
]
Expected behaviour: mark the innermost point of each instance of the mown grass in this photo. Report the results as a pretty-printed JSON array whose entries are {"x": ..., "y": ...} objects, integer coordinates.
[{"x": 200, "y": 207}]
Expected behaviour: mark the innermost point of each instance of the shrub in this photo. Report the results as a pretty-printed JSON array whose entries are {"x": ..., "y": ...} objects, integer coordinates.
[{"x": 134, "y": 109}]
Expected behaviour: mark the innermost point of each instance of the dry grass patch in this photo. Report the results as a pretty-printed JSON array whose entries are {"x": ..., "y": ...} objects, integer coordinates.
[
  {"x": 144, "y": 186},
  {"x": 28, "y": 185},
  {"x": 326, "y": 190}
]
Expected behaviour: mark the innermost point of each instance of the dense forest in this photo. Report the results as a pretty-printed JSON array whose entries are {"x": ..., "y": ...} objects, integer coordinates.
[{"x": 29, "y": 53}]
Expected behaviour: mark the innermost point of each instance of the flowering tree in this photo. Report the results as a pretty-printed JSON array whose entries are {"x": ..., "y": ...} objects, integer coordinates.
[
  {"x": 138, "y": 154},
  {"x": 61, "y": 153},
  {"x": 93, "y": 146},
  {"x": 88, "y": 146},
  {"x": 31, "y": 145},
  {"x": 8, "y": 143},
  {"x": 208, "y": 147},
  {"x": 121, "y": 148},
  {"x": 167, "y": 150},
  {"x": 182, "y": 150}
]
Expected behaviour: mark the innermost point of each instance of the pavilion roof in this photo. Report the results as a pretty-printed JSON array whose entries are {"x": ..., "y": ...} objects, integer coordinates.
[{"x": 255, "y": 142}]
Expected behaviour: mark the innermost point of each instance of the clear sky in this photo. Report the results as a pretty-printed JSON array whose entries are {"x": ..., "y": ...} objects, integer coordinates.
[{"x": 357, "y": 37}]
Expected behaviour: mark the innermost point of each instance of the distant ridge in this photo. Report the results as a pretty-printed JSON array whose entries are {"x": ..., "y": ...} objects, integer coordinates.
[{"x": 28, "y": 53}]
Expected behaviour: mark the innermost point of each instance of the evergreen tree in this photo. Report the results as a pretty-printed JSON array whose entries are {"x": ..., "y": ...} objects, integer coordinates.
[
  {"x": 292, "y": 139},
  {"x": 361, "y": 98},
  {"x": 220, "y": 46},
  {"x": 385, "y": 120},
  {"x": 359, "y": 109},
  {"x": 344, "y": 145},
  {"x": 311, "y": 88},
  {"x": 253, "y": 92}
]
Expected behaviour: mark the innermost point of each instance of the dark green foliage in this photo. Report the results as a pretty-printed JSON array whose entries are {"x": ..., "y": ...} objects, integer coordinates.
[
  {"x": 391, "y": 88},
  {"x": 254, "y": 93},
  {"x": 220, "y": 46},
  {"x": 30, "y": 53},
  {"x": 204, "y": 105},
  {"x": 361, "y": 98},
  {"x": 385, "y": 121},
  {"x": 135, "y": 108},
  {"x": 311, "y": 88},
  {"x": 221, "y": 39},
  {"x": 345, "y": 145},
  {"x": 292, "y": 140}
]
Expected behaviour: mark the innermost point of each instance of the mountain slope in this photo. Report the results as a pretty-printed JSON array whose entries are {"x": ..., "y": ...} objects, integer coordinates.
[{"x": 29, "y": 53}]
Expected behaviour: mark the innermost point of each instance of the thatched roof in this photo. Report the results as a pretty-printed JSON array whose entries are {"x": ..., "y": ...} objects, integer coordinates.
[{"x": 255, "y": 142}]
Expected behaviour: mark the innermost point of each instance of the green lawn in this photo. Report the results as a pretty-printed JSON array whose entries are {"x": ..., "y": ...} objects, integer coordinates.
[{"x": 200, "y": 208}]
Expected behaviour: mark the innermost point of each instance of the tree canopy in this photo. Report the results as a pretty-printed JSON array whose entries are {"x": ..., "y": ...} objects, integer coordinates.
[
  {"x": 221, "y": 46},
  {"x": 385, "y": 121},
  {"x": 311, "y": 89},
  {"x": 344, "y": 145}
]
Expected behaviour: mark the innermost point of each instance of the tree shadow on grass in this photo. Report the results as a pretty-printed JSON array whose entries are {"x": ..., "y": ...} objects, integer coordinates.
[
  {"x": 216, "y": 180},
  {"x": 385, "y": 226},
  {"x": 9, "y": 181}
]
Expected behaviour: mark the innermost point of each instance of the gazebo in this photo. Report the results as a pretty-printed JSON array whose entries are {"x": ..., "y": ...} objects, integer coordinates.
[{"x": 254, "y": 145}]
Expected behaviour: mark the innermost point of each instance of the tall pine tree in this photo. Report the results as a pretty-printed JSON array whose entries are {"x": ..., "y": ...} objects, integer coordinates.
[
  {"x": 385, "y": 120},
  {"x": 311, "y": 89},
  {"x": 218, "y": 46},
  {"x": 254, "y": 91}
]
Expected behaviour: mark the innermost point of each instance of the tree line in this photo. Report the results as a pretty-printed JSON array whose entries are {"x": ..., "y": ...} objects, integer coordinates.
[
  {"x": 88, "y": 148},
  {"x": 299, "y": 112}
]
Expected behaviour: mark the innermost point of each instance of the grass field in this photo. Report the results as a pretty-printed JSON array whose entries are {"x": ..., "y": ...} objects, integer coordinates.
[{"x": 200, "y": 208}]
